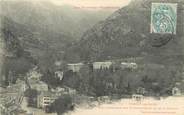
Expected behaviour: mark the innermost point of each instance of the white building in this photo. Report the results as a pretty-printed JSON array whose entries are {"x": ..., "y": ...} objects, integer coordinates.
[
  {"x": 59, "y": 74},
  {"x": 45, "y": 99},
  {"x": 102, "y": 65},
  {"x": 38, "y": 85},
  {"x": 34, "y": 74},
  {"x": 58, "y": 63},
  {"x": 176, "y": 91},
  {"x": 141, "y": 90},
  {"x": 137, "y": 97},
  {"x": 127, "y": 65},
  {"x": 75, "y": 67}
]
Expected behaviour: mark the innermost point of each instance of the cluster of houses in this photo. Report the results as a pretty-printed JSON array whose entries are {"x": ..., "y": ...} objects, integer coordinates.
[
  {"x": 45, "y": 96},
  {"x": 130, "y": 63},
  {"x": 75, "y": 67},
  {"x": 126, "y": 63}
]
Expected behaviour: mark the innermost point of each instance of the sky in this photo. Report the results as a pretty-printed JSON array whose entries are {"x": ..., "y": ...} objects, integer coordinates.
[
  {"x": 93, "y": 3},
  {"x": 90, "y": 4}
]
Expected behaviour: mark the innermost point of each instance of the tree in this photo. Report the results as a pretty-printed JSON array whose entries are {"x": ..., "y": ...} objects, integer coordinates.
[
  {"x": 62, "y": 104},
  {"x": 31, "y": 94}
]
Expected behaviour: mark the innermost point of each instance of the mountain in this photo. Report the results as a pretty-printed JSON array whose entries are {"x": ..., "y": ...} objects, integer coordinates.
[
  {"x": 126, "y": 33},
  {"x": 45, "y": 16},
  {"x": 42, "y": 26},
  {"x": 43, "y": 30},
  {"x": 15, "y": 57}
]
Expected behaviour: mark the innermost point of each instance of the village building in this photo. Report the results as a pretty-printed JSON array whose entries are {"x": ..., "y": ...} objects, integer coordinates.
[
  {"x": 38, "y": 85},
  {"x": 59, "y": 74},
  {"x": 45, "y": 99},
  {"x": 58, "y": 63},
  {"x": 103, "y": 99},
  {"x": 69, "y": 90},
  {"x": 153, "y": 66},
  {"x": 58, "y": 89},
  {"x": 75, "y": 67},
  {"x": 127, "y": 65},
  {"x": 34, "y": 81},
  {"x": 141, "y": 90},
  {"x": 137, "y": 97},
  {"x": 176, "y": 91},
  {"x": 34, "y": 74},
  {"x": 102, "y": 65}
]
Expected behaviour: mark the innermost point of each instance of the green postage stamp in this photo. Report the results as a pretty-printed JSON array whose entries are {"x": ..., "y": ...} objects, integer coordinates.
[{"x": 163, "y": 18}]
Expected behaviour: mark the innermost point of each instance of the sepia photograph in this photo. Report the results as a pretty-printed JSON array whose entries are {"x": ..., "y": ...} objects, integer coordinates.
[{"x": 91, "y": 57}]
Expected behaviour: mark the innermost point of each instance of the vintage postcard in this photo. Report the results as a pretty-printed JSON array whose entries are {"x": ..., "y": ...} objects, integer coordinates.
[{"x": 91, "y": 57}]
